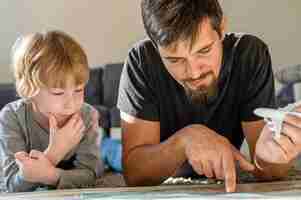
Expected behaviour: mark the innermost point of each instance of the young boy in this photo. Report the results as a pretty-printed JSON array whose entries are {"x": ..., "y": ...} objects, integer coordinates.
[{"x": 48, "y": 137}]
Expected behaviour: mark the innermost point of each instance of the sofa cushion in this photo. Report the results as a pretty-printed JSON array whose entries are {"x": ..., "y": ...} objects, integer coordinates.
[
  {"x": 7, "y": 94},
  {"x": 94, "y": 87},
  {"x": 111, "y": 79}
]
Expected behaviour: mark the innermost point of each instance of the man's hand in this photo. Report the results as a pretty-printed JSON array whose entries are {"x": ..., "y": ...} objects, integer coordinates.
[
  {"x": 63, "y": 140},
  {"x": 284, "y": 149},
  {"x": 213, "y": 155},
  {"x": 36, "y": 168}
]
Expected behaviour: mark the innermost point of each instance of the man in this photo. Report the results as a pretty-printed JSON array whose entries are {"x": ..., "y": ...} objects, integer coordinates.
[{"x": 187, "y": 97}]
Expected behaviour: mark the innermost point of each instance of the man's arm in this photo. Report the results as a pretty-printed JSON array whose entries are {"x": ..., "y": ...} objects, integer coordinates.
[
  {"x": 264, "y": 170},
  {"x": 146, "y": 161}
]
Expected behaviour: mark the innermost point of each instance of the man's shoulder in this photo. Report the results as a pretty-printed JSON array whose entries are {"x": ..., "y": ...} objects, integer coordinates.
[
  {"x": 143, "y": 58},
  {"x": 247, "y": 50},
  {"x": 144, "y": 48},
  {"x": 245, "y": 42},
  {"x": 144, "y": 43},
  {"x": 251, "y": 57}
]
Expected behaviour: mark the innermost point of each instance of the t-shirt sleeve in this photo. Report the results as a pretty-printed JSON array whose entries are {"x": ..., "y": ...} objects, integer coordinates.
[
  {"x": 136, "y": 90},
  {"x": 257, "y": 88}
]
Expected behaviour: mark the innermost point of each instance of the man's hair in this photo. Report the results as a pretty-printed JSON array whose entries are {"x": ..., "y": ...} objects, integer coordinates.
[
  {"x": 49, "y": 59},
  {"x": 167, "y": 21}
]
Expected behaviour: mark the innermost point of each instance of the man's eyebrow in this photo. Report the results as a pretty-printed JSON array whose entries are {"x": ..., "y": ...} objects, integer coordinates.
[
  {"x": 171, "y": 57},
  {"x": 197, "y": 51},
  {"x": 205, "y": 47}
]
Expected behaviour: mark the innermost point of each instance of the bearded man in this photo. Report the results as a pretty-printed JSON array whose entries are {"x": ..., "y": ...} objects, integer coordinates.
[{"x": 187, "y": 95}]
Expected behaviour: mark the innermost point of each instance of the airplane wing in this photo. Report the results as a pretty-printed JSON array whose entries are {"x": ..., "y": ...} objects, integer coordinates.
[
  {"x": 278, "y": 128},
  {"x": 275, "y": 117}
]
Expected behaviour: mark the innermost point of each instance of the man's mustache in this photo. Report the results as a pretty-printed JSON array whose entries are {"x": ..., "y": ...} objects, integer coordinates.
[{"x": 202, "y": 76}]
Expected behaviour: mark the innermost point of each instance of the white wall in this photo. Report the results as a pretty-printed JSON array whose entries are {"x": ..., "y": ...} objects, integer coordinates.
[
  {"x": 106, "y": 29},
  {"x": 275, "y": 21}
]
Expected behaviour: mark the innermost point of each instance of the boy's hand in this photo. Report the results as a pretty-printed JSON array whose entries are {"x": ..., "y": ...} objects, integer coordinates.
[
  {"x": 63, "y": 140},
  {"x": 36, "y": 168}
]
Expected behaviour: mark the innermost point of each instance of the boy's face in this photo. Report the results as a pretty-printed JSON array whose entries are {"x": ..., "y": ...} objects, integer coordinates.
[
  {"x": 196, "y": 67},
  {"x": 60, "y": 102}
]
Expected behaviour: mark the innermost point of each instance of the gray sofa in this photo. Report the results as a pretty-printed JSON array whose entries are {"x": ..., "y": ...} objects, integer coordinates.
[{"x": 102, "y": 93}]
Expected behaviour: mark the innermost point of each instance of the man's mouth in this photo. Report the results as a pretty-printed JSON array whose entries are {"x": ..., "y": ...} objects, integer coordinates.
[
  {"x": 200, "y": 89},
  {"x": 200, "y": 83}
]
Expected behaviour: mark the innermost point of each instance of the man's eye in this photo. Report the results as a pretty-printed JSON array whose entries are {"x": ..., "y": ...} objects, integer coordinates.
[
  {"x": 205, "y": 51},
  {"x": 173, "y": 61},
  {"x": 79, "y": 90}
]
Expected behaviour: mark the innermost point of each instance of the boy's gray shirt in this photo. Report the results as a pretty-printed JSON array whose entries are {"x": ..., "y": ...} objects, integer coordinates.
[{"x": 20, "y": 132}]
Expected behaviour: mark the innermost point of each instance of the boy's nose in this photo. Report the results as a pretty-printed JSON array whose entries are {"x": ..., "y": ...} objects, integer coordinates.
[{"x": 69, "y": 102}]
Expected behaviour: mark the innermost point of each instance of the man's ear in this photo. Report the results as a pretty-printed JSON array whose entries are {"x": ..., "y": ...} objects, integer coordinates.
[{"x": 223, "y": 27}]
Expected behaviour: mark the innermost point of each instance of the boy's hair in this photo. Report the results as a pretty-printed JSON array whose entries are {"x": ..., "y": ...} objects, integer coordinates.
[
  {"x": 167, "y": 21},
  {"x": 51, "y": 59}
]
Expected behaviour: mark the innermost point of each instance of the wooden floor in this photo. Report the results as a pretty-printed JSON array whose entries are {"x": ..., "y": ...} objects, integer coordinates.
[
  {"x": 268, "y": 190},
  {"x": 247, "y": 188}
]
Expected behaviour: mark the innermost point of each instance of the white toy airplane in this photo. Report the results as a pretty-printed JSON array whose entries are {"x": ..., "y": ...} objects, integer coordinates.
[{"x": 276, "y": 117}]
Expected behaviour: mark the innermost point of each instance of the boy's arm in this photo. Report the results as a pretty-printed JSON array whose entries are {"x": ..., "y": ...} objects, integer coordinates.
[
  {"x": 12, "y": 140},
  {"x": 88, "y": 165}
]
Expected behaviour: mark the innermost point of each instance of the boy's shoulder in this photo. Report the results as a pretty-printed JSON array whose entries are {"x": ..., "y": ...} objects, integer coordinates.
[
  {"x": 14, "y": 114},
  {"x": 86, "y": 111},
  {"x": 17, "y": 107},
  {"x": 86, "y": 108}
]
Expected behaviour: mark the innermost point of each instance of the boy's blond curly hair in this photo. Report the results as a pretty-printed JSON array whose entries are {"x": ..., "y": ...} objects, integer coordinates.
[{"x": 47, "y": 60}]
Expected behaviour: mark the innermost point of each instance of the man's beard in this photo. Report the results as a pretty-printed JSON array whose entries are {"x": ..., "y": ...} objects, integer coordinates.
[{"x": 201, "y": 95}]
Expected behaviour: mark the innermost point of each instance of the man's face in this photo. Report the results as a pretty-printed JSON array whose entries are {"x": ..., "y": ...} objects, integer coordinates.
[
  {"x": 196, "y": 67},
  {"x": 60, "y": 102}
]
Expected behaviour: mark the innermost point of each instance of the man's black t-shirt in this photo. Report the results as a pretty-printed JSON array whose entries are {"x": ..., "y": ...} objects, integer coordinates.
[{"x": 147, "y": 91}]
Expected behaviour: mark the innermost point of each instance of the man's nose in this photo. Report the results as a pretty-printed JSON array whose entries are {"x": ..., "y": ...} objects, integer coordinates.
[{"x": 193, "y": 69}]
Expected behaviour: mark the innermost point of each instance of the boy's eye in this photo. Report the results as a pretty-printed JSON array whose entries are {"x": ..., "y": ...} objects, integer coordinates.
[{"x": 57, "y": 93}]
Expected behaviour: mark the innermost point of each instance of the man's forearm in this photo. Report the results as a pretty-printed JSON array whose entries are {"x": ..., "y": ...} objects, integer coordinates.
[{"x": 151, "y": 164}]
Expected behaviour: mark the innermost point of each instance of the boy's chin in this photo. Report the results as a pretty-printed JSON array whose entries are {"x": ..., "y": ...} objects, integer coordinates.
[{"x": 62, "y": 119}]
